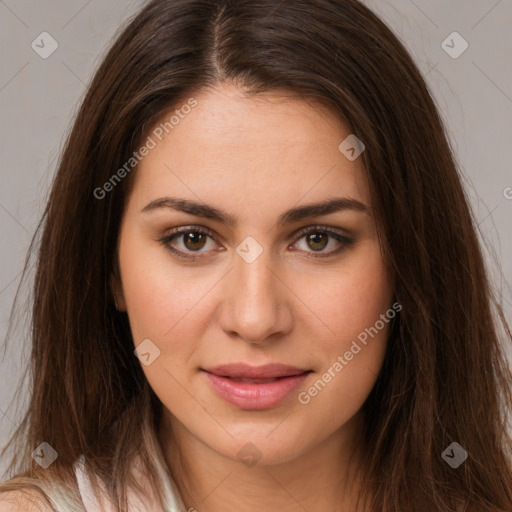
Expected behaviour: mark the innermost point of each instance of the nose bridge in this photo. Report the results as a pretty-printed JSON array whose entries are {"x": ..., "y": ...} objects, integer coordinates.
[
  {"x": 255, "y": 306},
  {"x": 256, "y": 281}
]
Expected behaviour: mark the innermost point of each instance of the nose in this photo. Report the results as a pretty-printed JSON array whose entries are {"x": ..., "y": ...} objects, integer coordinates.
[{"x": 256, "y": 301}]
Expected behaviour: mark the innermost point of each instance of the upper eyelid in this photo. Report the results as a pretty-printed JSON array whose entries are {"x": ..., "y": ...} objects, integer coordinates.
[
  {"x": 321, "y": 227},
  {"x": 297, "y": 234}
]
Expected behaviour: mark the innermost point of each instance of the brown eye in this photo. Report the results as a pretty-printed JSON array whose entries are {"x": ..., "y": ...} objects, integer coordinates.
[
  {"x": 193, "y": 240},
  {"x": 317, "y": 238},
  {"x": 317, "y": 241},
  {"x": 184, "y": 242}
]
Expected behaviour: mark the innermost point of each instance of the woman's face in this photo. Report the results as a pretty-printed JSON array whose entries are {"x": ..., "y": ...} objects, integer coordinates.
[{"x": 262, "y": 324}]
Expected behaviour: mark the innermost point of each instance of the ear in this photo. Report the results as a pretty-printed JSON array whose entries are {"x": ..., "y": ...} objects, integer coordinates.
[{"x": 117, "y": 292}]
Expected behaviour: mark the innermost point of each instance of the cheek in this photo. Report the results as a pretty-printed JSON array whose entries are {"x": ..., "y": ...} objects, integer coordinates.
[
  {"x": 159, "y": 294},
  {"x": 354, "y": 296},
  {"x": 162, "y": 306},
  {"x": 356, "y": 306}
]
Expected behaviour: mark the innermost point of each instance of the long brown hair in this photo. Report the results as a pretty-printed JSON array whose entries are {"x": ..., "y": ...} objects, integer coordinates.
[{"x": 444, "y": 378}]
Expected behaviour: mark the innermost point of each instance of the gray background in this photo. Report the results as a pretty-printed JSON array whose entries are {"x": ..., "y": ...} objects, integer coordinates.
[{"x": 39, "y": 97}]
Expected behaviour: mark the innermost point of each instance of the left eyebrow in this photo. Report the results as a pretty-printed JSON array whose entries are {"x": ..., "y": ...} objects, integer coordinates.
[
  {"x": 334, "y": 205},
  {"x": 290, "y": 216}
]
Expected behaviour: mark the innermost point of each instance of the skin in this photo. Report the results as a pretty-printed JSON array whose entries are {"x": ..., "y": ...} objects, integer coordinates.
[{"x": 255, "y": 158}]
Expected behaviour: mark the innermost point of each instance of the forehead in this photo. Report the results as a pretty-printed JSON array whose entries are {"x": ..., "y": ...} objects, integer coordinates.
[{"x": 249, "y": 151}]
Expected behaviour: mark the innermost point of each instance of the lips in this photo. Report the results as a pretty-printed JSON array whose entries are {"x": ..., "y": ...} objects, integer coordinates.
[
  {"x": 245, "y": 371},
  {"x": 254, "y": 381},
  {"x": 255, "y": 388}
]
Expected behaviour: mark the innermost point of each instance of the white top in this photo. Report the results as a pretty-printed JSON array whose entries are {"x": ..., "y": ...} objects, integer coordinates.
[{"x": 91, "y": 503}]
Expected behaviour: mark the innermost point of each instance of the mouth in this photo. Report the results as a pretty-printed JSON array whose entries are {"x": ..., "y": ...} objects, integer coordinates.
[
  {"x": 254, "y": 388},
  {"x": 253, "y": 381}
]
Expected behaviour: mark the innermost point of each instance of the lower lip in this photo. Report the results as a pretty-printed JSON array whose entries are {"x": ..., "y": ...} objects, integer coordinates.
[{"x": 254, "y": 396}]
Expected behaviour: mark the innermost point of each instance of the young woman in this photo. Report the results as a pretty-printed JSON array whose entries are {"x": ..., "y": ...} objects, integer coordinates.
[{"x": 259, "y": 285}]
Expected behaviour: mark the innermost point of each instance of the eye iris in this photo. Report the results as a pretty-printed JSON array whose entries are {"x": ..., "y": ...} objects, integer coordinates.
[
  {"x": 195, "y": 238},
  {"x": 316, "y": 238}
]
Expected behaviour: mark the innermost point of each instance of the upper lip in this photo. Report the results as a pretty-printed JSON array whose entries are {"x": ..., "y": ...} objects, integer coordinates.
[{"x": 245, "y": 371}]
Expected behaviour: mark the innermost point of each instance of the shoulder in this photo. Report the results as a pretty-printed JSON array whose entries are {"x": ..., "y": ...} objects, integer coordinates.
[{"x": 28, "y": 500}]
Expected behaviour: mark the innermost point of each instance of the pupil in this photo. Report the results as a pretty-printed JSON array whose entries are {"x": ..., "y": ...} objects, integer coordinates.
[
  {"x": 194, "y": 239},
  {"x": 315, "y": 238}
]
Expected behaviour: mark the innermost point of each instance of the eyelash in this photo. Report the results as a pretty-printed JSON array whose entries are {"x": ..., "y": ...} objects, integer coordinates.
[{"x": 175, "y": 233}]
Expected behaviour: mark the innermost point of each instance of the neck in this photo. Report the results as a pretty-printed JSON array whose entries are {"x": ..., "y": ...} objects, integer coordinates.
[{"x": 326, "y": 477}]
